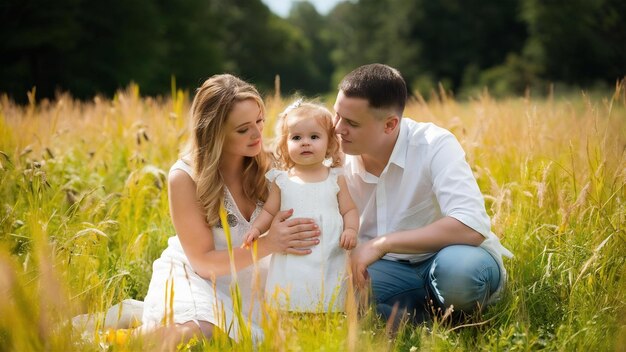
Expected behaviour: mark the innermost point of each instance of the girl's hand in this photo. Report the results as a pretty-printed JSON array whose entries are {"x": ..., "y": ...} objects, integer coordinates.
[
  {"x": 250, "y": 237},
  {"x": 292, "y": 236},
  {"x": 348, "y": 239}
]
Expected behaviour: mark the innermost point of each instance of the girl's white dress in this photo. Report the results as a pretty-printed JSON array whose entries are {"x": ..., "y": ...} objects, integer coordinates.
[
  {"x": 177, "y": 294},
  {"x": 313, "y": 282}
]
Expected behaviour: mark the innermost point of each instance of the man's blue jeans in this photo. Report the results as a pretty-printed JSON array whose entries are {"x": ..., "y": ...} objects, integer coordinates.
[{"x": 458, "y": 275}]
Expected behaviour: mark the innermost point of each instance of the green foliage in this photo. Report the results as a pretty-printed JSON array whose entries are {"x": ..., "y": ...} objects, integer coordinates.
[
  {"x": 90, "y": 48},
  {"x": 577, "y": 41},
  {"x": 190, "y": 44},
  {"x": 514, "y": 76},
  {"x": 428, "y": 38},
  {"x": 36, "y": 36},
  {"x": 316, "y": 67}
]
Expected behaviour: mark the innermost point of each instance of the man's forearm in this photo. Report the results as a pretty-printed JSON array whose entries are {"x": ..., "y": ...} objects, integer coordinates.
[{"x": 431, "y": 238}]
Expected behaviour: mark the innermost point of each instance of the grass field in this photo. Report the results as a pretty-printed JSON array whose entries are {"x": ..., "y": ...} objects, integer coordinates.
[{"x": 84, "y": 213}]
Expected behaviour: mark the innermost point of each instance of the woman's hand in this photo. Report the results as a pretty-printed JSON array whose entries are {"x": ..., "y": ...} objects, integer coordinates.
[{"x": 292, "y": 236}]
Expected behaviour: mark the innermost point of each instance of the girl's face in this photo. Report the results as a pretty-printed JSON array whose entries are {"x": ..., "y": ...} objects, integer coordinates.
[
  {"x": 307, "y": 141},
  {"x": 244, "y": 127}
]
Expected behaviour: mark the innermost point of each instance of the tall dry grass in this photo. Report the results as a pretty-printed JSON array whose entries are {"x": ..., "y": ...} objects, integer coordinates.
[{"x": 84, "y": 213}]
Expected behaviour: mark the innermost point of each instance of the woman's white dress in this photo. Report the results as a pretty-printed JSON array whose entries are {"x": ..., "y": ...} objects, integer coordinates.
[
  {"x": 313, "y": 282},
  {"x": 177, "y": 294}
]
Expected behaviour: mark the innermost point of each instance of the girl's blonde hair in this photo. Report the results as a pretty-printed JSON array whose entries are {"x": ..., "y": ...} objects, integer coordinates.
[
  {"x": 213, "y": 102},
  {"x": 304, "y": 110}
]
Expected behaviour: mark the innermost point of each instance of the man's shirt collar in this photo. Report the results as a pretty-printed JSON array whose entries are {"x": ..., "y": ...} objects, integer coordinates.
[{"x": 398, "y": 155}]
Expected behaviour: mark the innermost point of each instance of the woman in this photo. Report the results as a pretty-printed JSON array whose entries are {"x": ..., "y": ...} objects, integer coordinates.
[{"x": 224, "y": 164}]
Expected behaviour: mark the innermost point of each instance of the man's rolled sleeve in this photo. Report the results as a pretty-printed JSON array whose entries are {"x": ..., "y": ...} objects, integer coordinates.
[{"x": 455, "y": 187}]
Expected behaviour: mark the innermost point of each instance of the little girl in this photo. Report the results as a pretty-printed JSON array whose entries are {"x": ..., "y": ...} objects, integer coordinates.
[{"x": 314, "y": 282}]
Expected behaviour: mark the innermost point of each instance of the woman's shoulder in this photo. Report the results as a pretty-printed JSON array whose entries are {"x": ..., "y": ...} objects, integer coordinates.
[
  {"x": 182, "y": 190},
  {"x": 180, "y": 175},
  {"x": 183, "y": 165}
]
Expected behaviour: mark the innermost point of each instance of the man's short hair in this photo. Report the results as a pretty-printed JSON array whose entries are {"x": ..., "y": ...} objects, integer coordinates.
[{"x": 381, "y": 85}]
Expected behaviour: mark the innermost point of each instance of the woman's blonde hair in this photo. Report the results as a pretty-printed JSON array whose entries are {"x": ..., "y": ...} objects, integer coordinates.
[
  {"x": 213, "y": 102},
  {"x": 303, "y": 110}
]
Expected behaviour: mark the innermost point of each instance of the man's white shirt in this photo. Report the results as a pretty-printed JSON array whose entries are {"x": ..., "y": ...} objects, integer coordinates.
[{"x": 426, "y": 178}]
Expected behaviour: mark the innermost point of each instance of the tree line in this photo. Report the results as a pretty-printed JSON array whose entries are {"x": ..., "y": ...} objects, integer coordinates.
[{"x": 96, "y": 47}]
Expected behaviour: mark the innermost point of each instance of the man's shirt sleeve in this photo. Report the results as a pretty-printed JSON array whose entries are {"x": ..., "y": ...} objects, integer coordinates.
[{"x": 454, "y": 185}]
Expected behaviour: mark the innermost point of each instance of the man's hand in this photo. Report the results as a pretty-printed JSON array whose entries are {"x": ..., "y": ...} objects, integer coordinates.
[
  {"x": 362, "y": 256},
  {"x": 348, "y": 239}
]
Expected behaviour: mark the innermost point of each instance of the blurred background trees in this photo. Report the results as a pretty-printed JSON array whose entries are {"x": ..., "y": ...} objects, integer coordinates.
[{"x": 508, "y": 46}]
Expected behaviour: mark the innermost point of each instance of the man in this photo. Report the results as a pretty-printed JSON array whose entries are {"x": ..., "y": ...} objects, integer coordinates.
[{"x": 425, "y": 235}]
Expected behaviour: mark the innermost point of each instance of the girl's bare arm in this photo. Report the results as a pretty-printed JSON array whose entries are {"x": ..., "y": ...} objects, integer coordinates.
[{"x": 350, "y": 215}]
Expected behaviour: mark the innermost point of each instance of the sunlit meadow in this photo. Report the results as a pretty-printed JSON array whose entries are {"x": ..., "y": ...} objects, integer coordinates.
[{"x": 84, "y": 213}]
